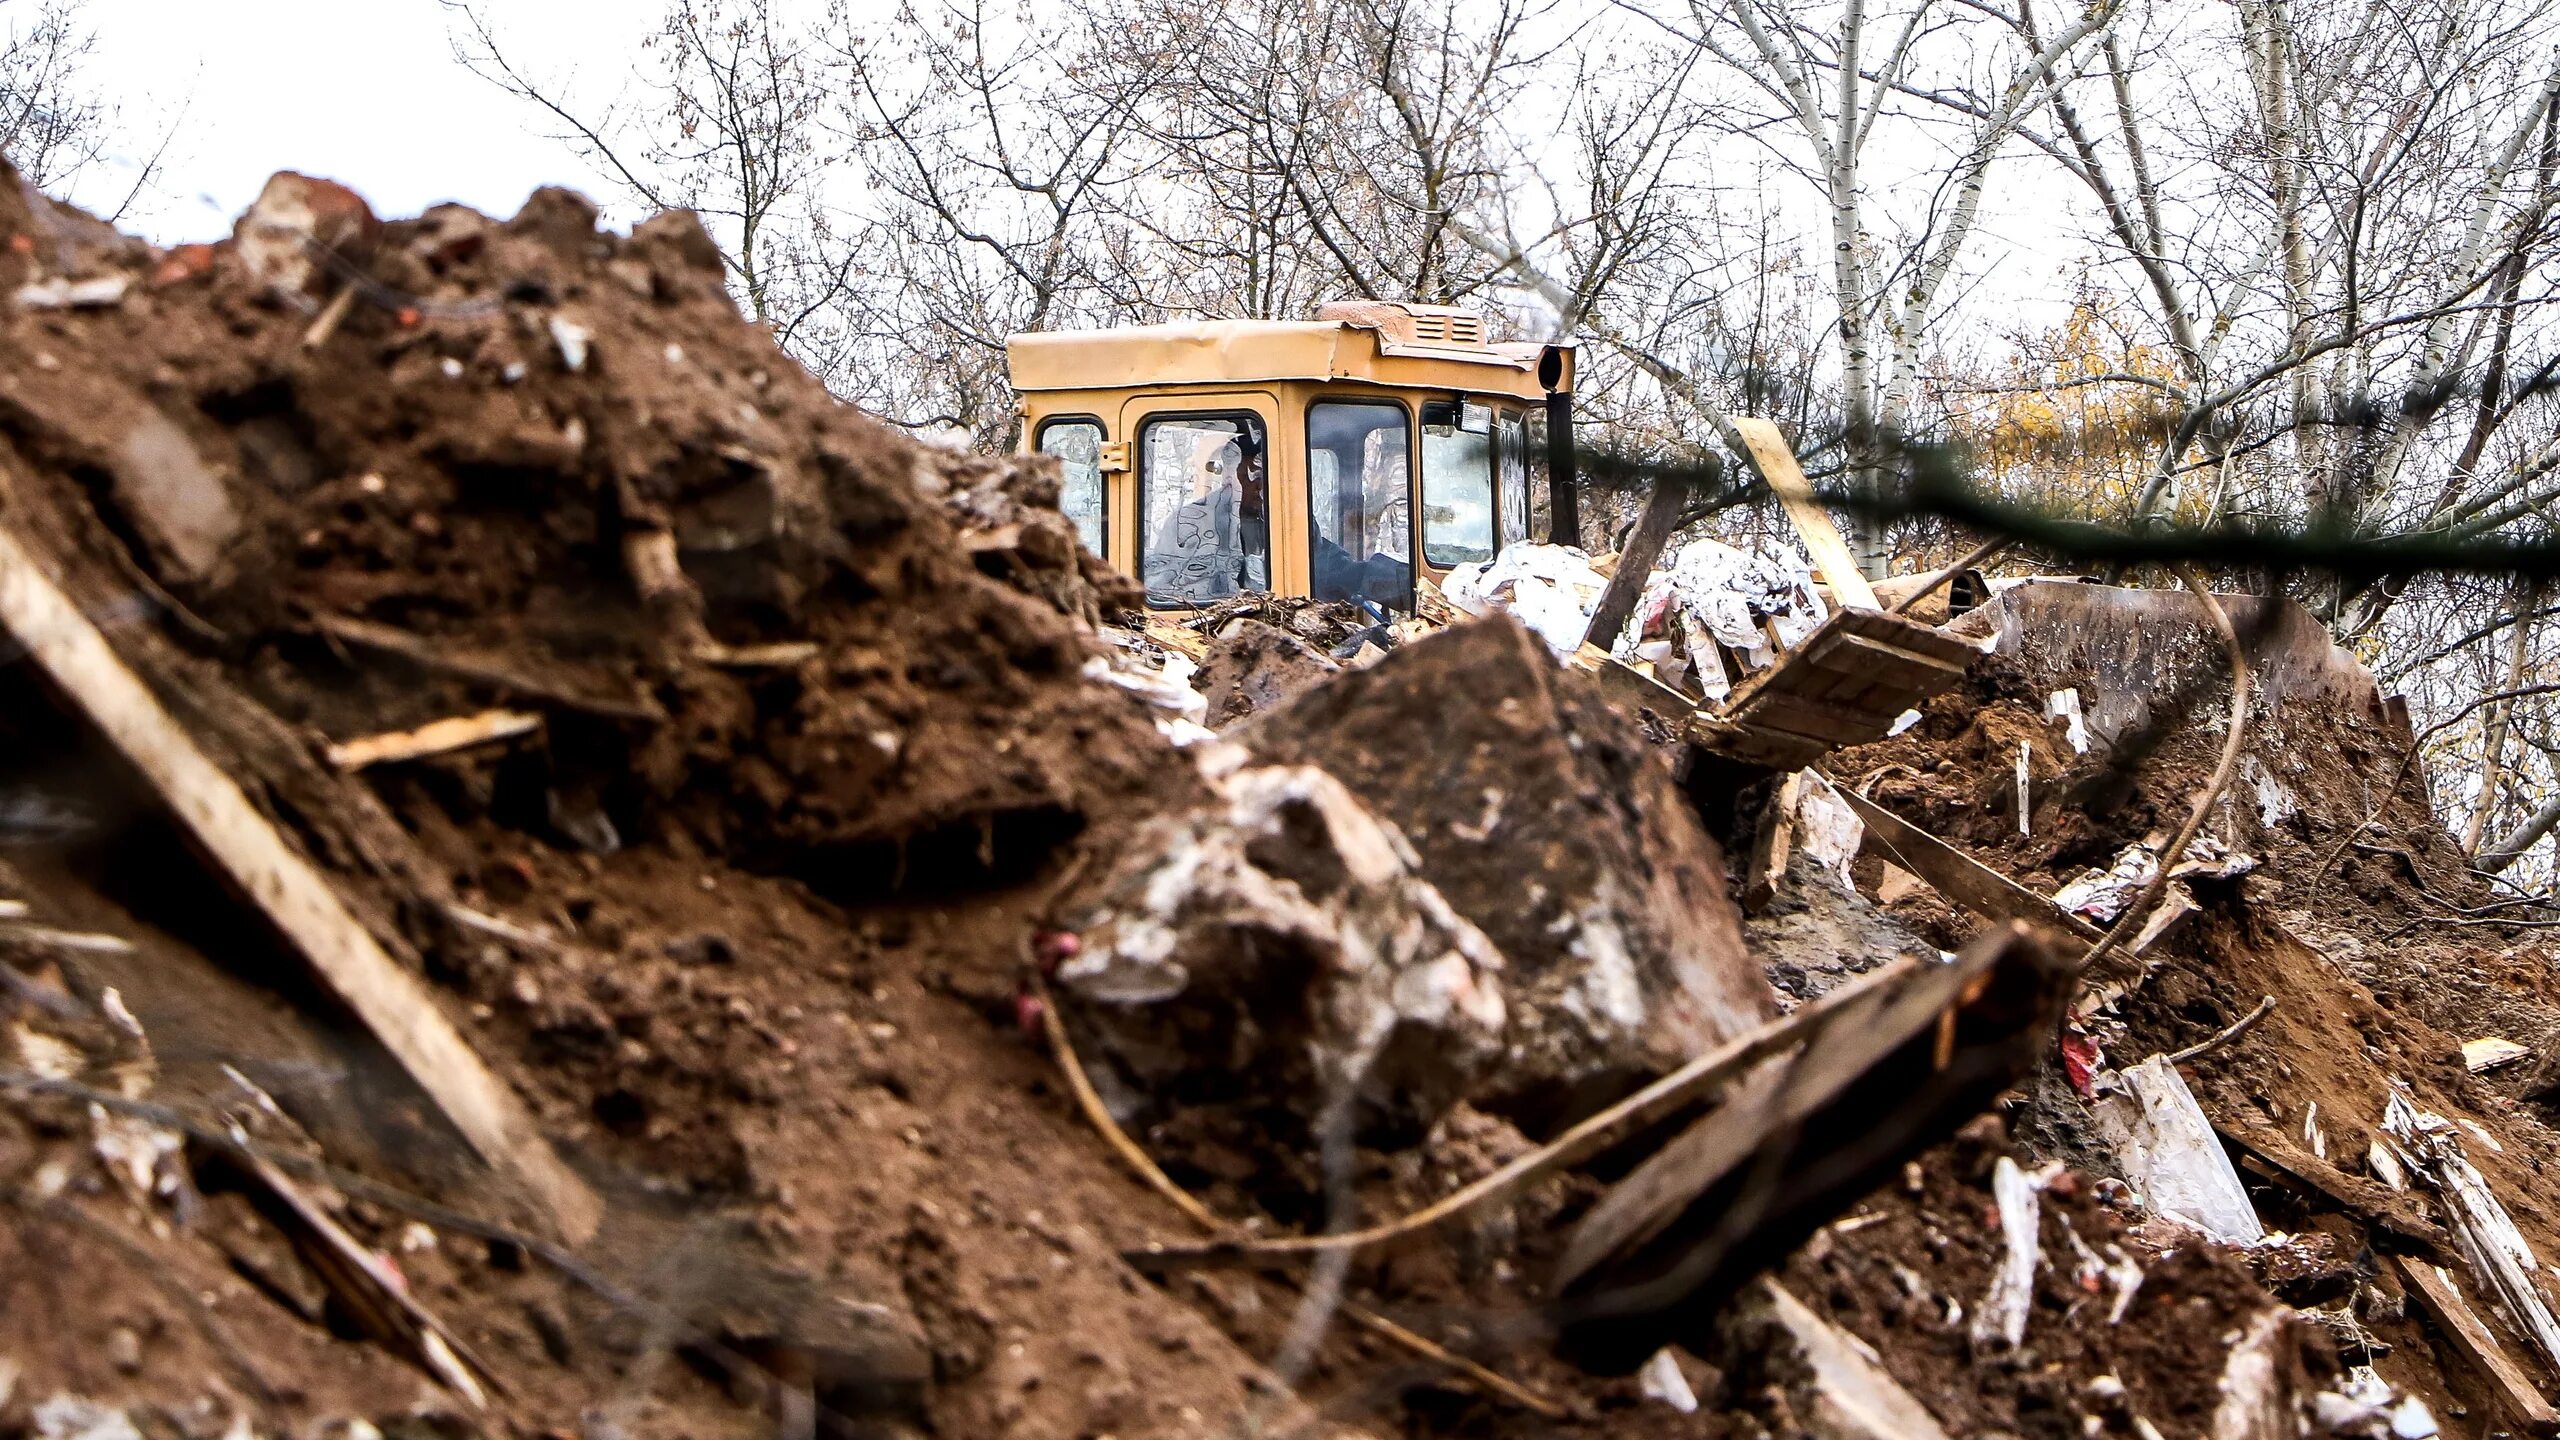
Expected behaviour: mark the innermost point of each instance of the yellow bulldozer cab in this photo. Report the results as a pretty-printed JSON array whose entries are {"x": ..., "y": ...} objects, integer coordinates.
[{"x": 1337, "y": 457}]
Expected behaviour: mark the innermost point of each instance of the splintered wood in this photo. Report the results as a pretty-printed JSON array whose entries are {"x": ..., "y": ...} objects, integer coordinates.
[
  {"x": 1958, "y": 876},
  {"x": 437, "y": 737},
  {"x": 392, "y": 1002}
]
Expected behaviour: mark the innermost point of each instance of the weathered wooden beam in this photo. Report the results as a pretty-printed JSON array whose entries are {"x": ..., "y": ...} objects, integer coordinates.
[
  {"x": 1961, "y": 878},
  {"x": 1635, "y": 563},
  {"x": 393, "y": 1003},
  {"x": 559, "y": 688},
  {"x": 1800, "y": 1138},
  {"x": 1776, "y": 462},
  {"x": 2478, "y": 1349}
]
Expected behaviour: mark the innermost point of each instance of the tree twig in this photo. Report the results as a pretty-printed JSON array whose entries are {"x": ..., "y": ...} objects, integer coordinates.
[
  {"x": 1089, "y": 1103},
  {"x": 2226, "y": 1035},
  {"x": 2129, "y": 924}
]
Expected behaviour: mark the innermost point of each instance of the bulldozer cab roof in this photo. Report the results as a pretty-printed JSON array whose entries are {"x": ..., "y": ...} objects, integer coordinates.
[{"x": 1380, "y": 343}]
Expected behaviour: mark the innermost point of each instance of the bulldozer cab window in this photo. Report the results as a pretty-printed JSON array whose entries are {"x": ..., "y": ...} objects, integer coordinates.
[
  {"x": 1358, "y": 505},
  {"x": 1541, "y": 522},
  {"x": 1511, "y": 476},
  {"x": 1078, "y": 446},
  {"x": 1457, "y": 482},
  {"x": 1204, "y": 508}
]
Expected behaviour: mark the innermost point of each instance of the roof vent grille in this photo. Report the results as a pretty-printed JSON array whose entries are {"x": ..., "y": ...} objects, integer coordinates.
[
  {"x": 1410, "y": 324},
  {"x": 1446, "y": 327}
]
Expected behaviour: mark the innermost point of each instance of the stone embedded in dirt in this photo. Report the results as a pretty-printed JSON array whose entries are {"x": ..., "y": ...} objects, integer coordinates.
[
  {"x": 1006, "y": 508},
  {"x": 1253, "y": 666},
  {"x": 1282, "y": 931},
  {"x": 297, "y": 226},
  {"x": 1544, "y": 818}
]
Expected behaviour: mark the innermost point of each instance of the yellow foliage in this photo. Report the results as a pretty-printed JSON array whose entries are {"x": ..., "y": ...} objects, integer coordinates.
[{"x": 2068, "y": 422}]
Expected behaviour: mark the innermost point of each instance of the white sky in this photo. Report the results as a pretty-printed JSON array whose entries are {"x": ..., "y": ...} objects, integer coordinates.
[{"x": 365, "y": 92}]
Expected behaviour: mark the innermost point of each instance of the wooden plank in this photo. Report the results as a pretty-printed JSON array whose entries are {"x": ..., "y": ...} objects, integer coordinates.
[
  {"x": 1771, "y": 1098},
  {"x": 559, "y": 686},
  {"x": 1909, "y": 634},
  {"x": 436, "y": 737},
  {"x": 372, "y": 1293},
  {"x": 1617, "y": 603},
  {"x": 1817, "y": 718},
  {"x": 1695, "y": 1082},
  {"x": 1773, "y": 844},
  {"x": 2479, "y": 1349},
  {"x": 1777, "y": 465},
  {"x": 1823, "y": 671},
  {"x": 1629, "y": 688},
  {"x": 394, "y": 1004},
  {"x": 1958, "y": 876},
  {"x": 1869, "y": 655},
  {"x": 1775, "y": 749}
]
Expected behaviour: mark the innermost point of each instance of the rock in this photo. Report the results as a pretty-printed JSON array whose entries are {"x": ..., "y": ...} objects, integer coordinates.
[
  {"x": 1252, "y": 667},
  {"x": 1282, "y": 931},
  {"x": 295, "y": 223},
  {"x": 1544, "y": 818},
  {"x": 179, "y": 506}
]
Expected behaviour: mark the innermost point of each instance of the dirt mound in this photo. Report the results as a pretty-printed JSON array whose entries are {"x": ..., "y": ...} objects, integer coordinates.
[
  {"x": 2357, "y": 924},
  {"x": 721, "y": 771},
  {"x": 536, "y": 464},
  {"x": 781, "y": 663},
  {"x": 1253, "y": 666}
]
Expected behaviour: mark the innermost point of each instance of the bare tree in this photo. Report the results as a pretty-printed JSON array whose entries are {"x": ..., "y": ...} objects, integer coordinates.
[
  {"x": 721, "y": 117},
  {"x": 53, "y": 125}
]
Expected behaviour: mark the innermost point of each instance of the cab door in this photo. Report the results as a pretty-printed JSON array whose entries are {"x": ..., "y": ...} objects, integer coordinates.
[{"x": 1205, "y": 509}]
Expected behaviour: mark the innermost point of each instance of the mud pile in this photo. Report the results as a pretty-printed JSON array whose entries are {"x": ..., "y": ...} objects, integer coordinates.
[{"x": 769, "y": 804}]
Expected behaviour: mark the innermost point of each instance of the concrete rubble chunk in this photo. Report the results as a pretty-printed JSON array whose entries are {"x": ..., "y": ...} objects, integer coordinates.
[
  {"x": 1284, "y": 930},
  {"x": 1547, "y": 822}
]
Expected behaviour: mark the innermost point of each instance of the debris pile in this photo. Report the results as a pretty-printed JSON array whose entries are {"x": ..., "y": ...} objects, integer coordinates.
[{"x": 560, "y": 881}]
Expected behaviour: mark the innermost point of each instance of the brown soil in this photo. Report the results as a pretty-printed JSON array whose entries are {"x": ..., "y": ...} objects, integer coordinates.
[
  {"x": 2359, "y": 1005},
  {"x": 770, "y": 876}
]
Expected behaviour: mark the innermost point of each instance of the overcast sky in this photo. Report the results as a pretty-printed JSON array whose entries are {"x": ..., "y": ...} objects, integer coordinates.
[
  {"x": 367, "y": 92},
  {"x": 361, "y": 91}
]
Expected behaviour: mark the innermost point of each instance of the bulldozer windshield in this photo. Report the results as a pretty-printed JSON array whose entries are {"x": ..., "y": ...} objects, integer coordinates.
[{"x": 1359, "y": 521}]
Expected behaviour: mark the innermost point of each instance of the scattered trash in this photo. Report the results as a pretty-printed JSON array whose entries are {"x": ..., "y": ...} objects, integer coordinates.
[
  {"x": 2002, "y": 1315},
  {"x": 1753, "y": 604},
  {"x": 572, "y": 340},
  {"x": 2171, "y": 1157},
  {"x": 1661, "y": 1380},
  {"x": 2500, "y": 1260},
  {"x": 1549, "y": 588},
  {"x": 60, "y": 293},
  {"x": 2490, "y": 1052},
  {"x": 2026, "y": 805},
  {"x": 2101, "y": 895},
  {"x": 2064, "y": 705}
]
